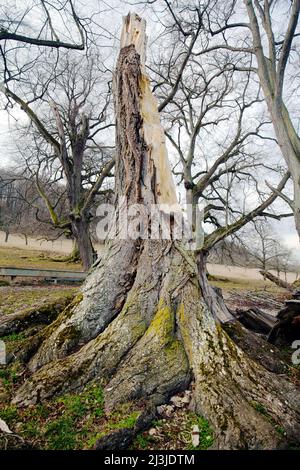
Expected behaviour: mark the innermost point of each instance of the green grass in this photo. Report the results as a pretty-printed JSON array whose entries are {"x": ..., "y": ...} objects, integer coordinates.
[
  {"x": 227, "y": 283},
  {"x": 10, "y": 375},
  {"x": 70, "y": 422},
  {"x": 13, "y": 337},
  {"x": 17, "y": 299},
  {"x": 143, "y": 441},
  {"x": 23, "y": 258},
  {"x": 60, "y": 424},
  {"x": 206, "y": 436}
]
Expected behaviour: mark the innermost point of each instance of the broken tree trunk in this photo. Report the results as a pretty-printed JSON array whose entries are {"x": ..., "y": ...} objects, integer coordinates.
[
  {"x": 279, "y": 282},
  {"x": 256, "y": 320},
  {"x": 287, "y": 326},
  {"x": 142, "y": 325}
]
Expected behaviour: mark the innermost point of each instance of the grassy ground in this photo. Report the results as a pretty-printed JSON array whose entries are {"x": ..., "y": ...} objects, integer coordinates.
[
  {"x": 226, "y": 283},
  {"x": 175, "y": 433},
  {"x": 77, "y": 421},
  {"x": 20, "y": 258},
  {"x": 69, "y": 422},
  {"x": 15, "y": 299}
]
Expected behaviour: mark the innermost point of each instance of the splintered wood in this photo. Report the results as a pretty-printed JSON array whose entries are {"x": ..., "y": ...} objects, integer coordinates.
[{"x": 133, "y": 33}]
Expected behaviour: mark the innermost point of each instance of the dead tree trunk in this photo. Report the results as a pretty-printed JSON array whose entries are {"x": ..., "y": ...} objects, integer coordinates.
[{"x": 142, "y": 325}]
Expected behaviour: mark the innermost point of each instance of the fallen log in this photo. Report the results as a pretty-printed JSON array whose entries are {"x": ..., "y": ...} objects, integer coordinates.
[
  {"x": 281, "y": 329},
  {"x": 256, "y": 320},
  {"x": 287, "y": 327},
  {"x": 279, "y": 282}
]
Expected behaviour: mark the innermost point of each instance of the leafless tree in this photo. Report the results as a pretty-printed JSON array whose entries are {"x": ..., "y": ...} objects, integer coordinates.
[
  {"x": 251, "y": 30},
  {"x": 266, "y": 249},
  {"x": 38, "y": 24},
  {"x": 22, "y": 210},
  {"x": 66, "y": 144},
  {"x": 215, "y": 121}
]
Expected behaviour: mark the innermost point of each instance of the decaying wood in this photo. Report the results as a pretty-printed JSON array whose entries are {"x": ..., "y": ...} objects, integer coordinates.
[
  {"x": 143, "y": 167},
  {"x": 256, "y": 320},
  {"x": 281, "y": 329},
  {"x": 287, "y": 326},
  {"x": 142, "y": 326}
]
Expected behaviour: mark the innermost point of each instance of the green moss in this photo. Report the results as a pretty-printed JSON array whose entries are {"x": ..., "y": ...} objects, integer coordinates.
[
  {"x": 126, "y": 422},
  {"x": 70, "y": 333},
  {"x": 61, "y": 434},
  {"x": 143, "y": 441},
  {"x": 23, "y": 300},
  {"x": 78, "y": 405},
  {"x": 12, "y": 337},
  {"x": 121, "y": 418},
  {"x": 69, "y": 310},
  {"x": 174, "y": 351},
  {"x": 72, "y": 421},
  {"x": 10, "y": 375},
  {"x": 9, "y": 414},
  {"x": 162, "y": 324},
  {"x": 280, "y": 430},
  {"x": 260, "y": 408},
  {"x": 64, "y": 423}
]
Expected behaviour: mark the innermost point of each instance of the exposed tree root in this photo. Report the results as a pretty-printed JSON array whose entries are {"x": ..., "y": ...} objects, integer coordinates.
[
  {"x": 163, "y": 336},
  {"x": 12, "y": 442},
  {"x": 115, "y": 274},
  {"x": 43, "y": 315}
]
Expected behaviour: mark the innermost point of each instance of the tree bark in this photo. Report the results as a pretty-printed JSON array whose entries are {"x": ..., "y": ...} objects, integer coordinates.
[
  {"x": 81, "y": 233},
  {"x": 142, "y": 326}
]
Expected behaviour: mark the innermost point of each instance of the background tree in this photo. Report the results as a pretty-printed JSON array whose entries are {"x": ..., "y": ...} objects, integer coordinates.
[
  {"x": 215, "y": 120},
  {"x": 22, "y": 210},
  {"x": 265, "y": 248},
  {"x": 263, "y": 47},
  {"x": 28, "y": 27},
  {"x": 65, "y": 145}
]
